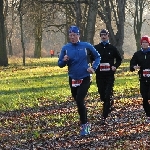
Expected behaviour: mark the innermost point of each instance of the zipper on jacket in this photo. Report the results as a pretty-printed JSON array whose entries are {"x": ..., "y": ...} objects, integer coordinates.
[{"x": 145, "y": 56}]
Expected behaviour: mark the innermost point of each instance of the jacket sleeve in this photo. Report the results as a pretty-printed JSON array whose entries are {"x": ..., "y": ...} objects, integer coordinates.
[
  {"x": 118, "y": 58},
  {"x": 90, "y": 56},
  {"x": 61, "y": 62},
  {"x": 95, "y": 57},
  {"x": 133, "y": 62}
]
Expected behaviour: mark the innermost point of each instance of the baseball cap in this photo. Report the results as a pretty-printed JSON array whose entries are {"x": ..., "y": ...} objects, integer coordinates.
[{"x": 74, "y": 29}]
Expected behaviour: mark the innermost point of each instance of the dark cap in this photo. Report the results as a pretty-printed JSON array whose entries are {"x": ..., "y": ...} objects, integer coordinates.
[{"x": 104, "y": 31}]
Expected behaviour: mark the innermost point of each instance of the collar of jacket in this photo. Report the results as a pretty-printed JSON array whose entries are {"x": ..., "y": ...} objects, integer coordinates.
[
  {"x": 76, "y": 43},
  {"x": 104, "y": 44},
  {"x": 145, "y": 51}
]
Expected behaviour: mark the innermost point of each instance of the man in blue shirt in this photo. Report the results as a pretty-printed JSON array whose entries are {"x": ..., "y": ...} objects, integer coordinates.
[{"x": 76, "y": 55}]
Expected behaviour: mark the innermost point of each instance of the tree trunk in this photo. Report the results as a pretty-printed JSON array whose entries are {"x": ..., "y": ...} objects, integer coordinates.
[
  {"x": 138, "y": 21},
  {"x": 137, "y": 39},
  {"x": 91, "y": 21},
  {"x": 120, "y": 27},
  {"x": 8, "y": 40},
  {"x": 78, "y": 12},
  {"x": 38, "y": 35},
  {"x": 79, "y": 17},
  {"x": 38, "y": 41},
  {"x": 3, "y": 52},
  {"x": 8, "y": 34},
  {"x": 10, "y": 51},
  {"x": 21, "y": 28},
  {"x": 22, "y": 41}
]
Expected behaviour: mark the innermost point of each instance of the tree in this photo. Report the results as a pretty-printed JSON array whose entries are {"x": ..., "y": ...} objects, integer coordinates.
[
  {"x": 40, "y": 16},
  {"x": 3, "y": 52},
  {"x": 112, "y": 12},
  {"x": 38, "y": 30},
  {"x": 91, "y": 21},
  {"x": 78, "y": 12},
  {"x": 136, "y": 9},
  {"x": 21, "y": 28},
  {"x": 9, "y": 8}
]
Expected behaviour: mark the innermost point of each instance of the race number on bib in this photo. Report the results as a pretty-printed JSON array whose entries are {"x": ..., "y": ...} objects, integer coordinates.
[
  {"x": 76, "y": 83},
  {"x": 146, "y": 73},
  {"x": 104, "y": 67}
]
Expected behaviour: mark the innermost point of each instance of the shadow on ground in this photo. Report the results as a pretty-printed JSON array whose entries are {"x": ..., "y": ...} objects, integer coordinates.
[{"x": 55, "y": 126}]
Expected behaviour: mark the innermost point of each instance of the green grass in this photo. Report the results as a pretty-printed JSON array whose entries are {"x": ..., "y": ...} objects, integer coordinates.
[
  {"x": 37, "y": 111},
  {"x": 41, "y": 79}
]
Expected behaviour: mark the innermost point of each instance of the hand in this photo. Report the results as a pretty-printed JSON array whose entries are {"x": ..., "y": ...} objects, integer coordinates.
[
  {"x": 91, "y": 70},
  {"x": 93, "y": 62},
  {"x": 66, "y": 58},
  {"x": 113, "y": 68},
  {"x": 136, "y": 67}
]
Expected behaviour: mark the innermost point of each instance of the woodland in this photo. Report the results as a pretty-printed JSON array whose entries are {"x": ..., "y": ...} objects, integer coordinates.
[
  {"x": 37, "y": 111},
  {"x": 31, "y": 28}
]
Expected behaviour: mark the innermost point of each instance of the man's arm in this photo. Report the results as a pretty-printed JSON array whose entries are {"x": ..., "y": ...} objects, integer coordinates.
[
  {"x": 118, "y": 58},
  {"x": 63, "y": 58},
  {"x": 133, "y": 63},
  {"x": 95, "y": 57}
]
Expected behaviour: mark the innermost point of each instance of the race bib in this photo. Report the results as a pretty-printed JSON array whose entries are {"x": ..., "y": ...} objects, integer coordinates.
[
  {"x": 76, "y": 83},
  {"x": 104, "y": 67},
  {"x": 146, "y": 73}
]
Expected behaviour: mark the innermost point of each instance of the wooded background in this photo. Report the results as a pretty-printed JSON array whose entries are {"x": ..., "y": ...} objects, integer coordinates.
[{"x": 31, "y": 28}]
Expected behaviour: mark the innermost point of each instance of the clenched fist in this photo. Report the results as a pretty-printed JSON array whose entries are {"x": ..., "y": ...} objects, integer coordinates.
[
  {"x": 91, "y": 70},
  {"x": 66, "y": 58},
  {"x": 136, "y": 67}
]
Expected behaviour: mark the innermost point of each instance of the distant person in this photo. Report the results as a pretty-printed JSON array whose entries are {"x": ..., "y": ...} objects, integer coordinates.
[
  {"x": 52, "y": 53},
  {"x": 110, "y": 61},
  {"x": 75, "y": 56},
  {"x": 58, "y": 53},
  {"x": 141, "y": 61}
]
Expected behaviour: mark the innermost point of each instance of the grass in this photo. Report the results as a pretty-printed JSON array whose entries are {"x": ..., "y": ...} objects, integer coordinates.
[
  {"x": 23, "y": 86},
  {"x": 37, "y": 112}
]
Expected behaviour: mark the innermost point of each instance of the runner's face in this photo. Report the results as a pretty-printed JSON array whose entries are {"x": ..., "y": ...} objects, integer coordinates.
[
  {"x": 73, "y": 37},
  {"x": 104, "y": 37},
  {"x": 145, "y": 44}
]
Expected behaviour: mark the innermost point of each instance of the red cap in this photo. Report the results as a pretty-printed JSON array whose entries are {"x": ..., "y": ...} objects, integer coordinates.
[{"x": 146, "y": 38}]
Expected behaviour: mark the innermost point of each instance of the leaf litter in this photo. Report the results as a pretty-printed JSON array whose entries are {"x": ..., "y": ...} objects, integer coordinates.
[{"x": 55, "y": 125}]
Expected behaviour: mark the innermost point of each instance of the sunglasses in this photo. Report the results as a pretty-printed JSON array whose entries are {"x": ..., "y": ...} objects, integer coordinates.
[{"x": 103, "y": 34}]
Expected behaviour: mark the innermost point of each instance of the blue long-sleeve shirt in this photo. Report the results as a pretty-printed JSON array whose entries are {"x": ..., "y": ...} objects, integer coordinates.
[{"x": 78, "y": 59}]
